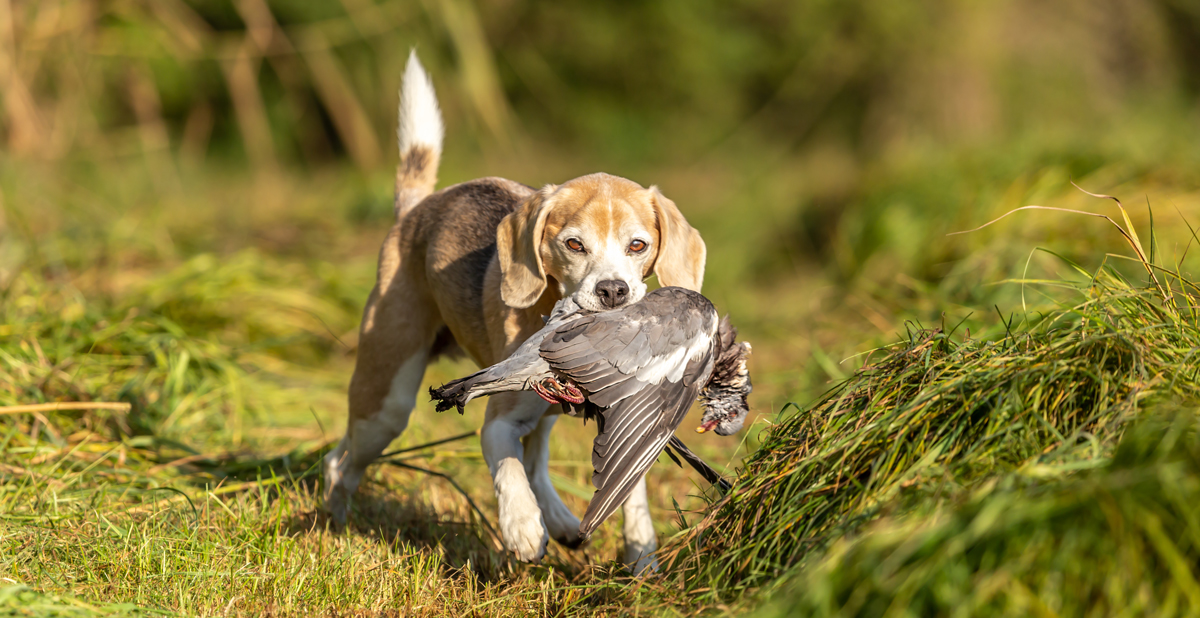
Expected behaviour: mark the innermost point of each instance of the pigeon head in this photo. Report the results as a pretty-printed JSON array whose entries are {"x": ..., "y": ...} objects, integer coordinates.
[{"x": 724, "y": 397}]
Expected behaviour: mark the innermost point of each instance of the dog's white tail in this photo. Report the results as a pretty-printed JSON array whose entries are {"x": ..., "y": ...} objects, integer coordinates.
[{"x": 420, "y": 135}]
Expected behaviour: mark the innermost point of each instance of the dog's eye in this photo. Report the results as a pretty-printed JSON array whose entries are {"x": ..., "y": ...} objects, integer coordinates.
[
  {"x": 574, "y": 245},
  {"x": 638, "y": 246}
]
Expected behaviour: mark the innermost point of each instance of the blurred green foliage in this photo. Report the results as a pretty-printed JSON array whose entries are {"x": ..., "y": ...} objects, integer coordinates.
[
  {"x": 314, "y": 82},
  {"x": 798, "y": 114}
]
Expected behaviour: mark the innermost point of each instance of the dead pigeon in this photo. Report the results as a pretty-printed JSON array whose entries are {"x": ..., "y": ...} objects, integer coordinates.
[{"x": 636, "y": 370}]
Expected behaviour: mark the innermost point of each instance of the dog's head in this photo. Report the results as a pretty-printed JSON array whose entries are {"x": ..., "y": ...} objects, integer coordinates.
[{"x": 596, "y": 237}]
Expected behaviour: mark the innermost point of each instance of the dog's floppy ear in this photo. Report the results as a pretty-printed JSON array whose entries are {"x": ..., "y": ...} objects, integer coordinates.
[
  {"x": 518, "y": 247},
  {"x": 681, "y": 251}
]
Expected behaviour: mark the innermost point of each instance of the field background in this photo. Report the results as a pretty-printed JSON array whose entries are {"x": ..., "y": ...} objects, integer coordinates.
[{"x": 192, "y": 195}]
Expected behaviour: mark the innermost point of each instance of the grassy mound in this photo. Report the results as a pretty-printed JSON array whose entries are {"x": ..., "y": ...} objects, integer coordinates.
[
  {"x": 1122, "y": 540},
  {"x": 938, "y": 417}
]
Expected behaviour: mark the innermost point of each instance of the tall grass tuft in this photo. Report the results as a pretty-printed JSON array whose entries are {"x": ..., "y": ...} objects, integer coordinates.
[
  {"x": 936, "y": 417},
  {"x": 1121, "y": 540}
]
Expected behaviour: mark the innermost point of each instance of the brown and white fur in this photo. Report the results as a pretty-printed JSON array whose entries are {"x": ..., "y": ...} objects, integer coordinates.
[{"x": 476, "y": 266}]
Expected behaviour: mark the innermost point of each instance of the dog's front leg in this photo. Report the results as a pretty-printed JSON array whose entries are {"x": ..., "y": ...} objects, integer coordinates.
[
  {"x": 510, "y": 416},
  {"x": 640, "y": 541}
]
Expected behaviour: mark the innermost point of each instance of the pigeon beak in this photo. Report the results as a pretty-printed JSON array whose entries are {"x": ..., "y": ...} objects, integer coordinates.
[{"x": 707, "y": 426}]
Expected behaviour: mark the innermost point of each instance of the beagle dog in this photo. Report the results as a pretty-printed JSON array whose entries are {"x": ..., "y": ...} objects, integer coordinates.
[{"x": 473, "y": 268}]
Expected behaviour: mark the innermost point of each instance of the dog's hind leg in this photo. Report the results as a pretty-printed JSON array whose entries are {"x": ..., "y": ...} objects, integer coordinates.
[
  {"x": 366, "y": 438},
  {"x": 561, "y": 523},
  {"x": 398, "y": 331}
]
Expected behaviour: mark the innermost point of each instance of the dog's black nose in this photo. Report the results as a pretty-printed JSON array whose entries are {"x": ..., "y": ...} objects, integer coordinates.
[{"x": 612, "y": 293}]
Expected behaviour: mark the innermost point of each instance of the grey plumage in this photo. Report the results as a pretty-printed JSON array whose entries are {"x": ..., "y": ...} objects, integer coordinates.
[
  {"x": 518, "y": 372},
  {"x": 636, "y": 370}
]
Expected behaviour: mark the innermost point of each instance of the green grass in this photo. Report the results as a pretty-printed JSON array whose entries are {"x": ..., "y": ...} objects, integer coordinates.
[
  {"x": 1121, "y": 539},
  {"x": 18, "y": 600}
]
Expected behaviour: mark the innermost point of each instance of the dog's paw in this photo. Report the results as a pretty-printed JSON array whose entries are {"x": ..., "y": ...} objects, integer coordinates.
[
  {"x": 645, "y": 565},
  {"x": 526, "y": 537},
  {"x": 521, "y": 522},
  {"x": 336, "y": 507},
  {"x": 640, "y": 559},
  {"x": 336, "y": 497},
  {"x": 562, "y": 524}
]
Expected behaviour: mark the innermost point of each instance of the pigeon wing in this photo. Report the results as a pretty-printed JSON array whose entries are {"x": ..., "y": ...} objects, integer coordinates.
[
  {"x": 650, "y": 341},
  {"x": 643, "y": 366},
  {"x": 632, "y": 434}
]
